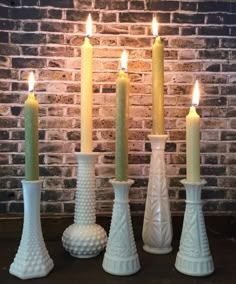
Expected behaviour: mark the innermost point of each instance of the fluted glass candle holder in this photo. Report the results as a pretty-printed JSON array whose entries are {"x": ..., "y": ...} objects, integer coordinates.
[
  {"x": 194, "y": 257},
  {"x": 121, "y": 256},
  {"x": 32, "y": 259},
  {"x": 157, "y": 225},
  {"x": 84, "y": 238}
]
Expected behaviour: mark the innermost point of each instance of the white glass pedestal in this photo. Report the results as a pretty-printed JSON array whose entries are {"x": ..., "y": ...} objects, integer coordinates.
[
  {"x": 194, "y": 257},
  {"x": 157, "y": 225},
  {"x": 121, "y": 256},
  {"x": 84, "y": 238},
  {"x": 32, "y": 259}
]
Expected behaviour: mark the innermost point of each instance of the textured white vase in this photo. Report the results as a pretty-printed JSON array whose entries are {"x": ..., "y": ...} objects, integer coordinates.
[
  {"x": 121, "y": 256},
  {"x": 84, "y": 238},
  {"x": 194, "y": 257},
  {"x": 157, "y": 225},
  {"x": 32, "y": 259}
]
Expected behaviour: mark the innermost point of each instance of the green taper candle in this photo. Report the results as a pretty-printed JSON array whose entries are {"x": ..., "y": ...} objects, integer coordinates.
[
  {"x": 122, "y": 104},
  {"x": 31, "y": 134},
  {"x": 157, "y": 83}
]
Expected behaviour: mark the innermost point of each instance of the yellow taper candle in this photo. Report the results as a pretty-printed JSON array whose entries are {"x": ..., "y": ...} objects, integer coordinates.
[
  {"x": 31, "y": 134},
  {"x": 122, "y": 105},
  {"x": 193, "y": 139},
  {"x": 157, "y": 82},
  {"x": 87, "y": 91}
]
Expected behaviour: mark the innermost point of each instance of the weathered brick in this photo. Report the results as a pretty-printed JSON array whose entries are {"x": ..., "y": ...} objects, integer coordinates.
[
  {"x": 57, "y": 3},
  {"x": 27, "y": 13},
  {"x": 11, "y": 3},
  {"x": 229, "y": 205},
  {"x": 208, "y": 6},
  {"x": 28, "y": 62},
  {"x": 52, "y": 207},
  {"x": 4, "y": 37},
  {"x": 215, "y": 19},
  {"x": 163, "y": 5},
  {"x": 136, "y": 5},
  {"x": 30, "y": 3},
  {"x": 16, "y": 207},
  {"x": 229, "y": 42},
  {"x": 213, "y": 31},
  {"x": 30, "y": 27},
  {"x": 213, "y": 54},
  {"x": 188, "y": 6},
  {"x": 82, "y": 4},
  {"x": 113, "y": 5},
  {"x": 74, "y": 15},
  {"x": 31, "y": 38},
  {"x": 4, "y": 12},
  {"x": 228, "y": 135},
  {"x": 4, "y": 135},
  {"x": 7, "y": 25},
  {"x": 108, "y": 17},
  {"x": 54, "y": 14},
  {"x": 188, "y": 31},
  {"x": 70, "y": 183},
  {"x": 186, "y": 18},
  {"x": 57, "y": 27}
]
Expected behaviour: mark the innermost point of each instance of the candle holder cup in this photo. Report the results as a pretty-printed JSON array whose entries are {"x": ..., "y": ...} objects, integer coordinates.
[
  {"x": 157, "y": 226},
  {"x": 84, "y": 238},
  {"x": 32, "y": 259},
  {"x": 194, "y": 257},
  {"x": 121, "y": 256}
]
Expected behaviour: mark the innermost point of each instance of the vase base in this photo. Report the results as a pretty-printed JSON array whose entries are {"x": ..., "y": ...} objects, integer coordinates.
[
  {"x": 154, "y": 250},
  {"x": 194, "y": 266},
  {"x": 24, "y": 272},
  {"x": 84, "y": 255},
  {"x": 121, "y": 266},
  {"x": 84, "y": 241}
]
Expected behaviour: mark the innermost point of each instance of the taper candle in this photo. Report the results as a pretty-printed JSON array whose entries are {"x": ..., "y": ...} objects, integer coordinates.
[
  {"x": 157, "y": 82},
  {"x": 87, "y": 91},
  {"x": 193, "y": 139},
  {"x": 31, "y": 134},
  {"x": 122, "y": 104}
]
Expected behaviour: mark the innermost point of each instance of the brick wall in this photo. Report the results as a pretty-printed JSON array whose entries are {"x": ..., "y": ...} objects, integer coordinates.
[{"x": 45, "y": 36}]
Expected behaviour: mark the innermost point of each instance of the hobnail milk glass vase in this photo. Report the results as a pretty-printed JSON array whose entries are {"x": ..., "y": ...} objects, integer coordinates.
[
  {"x": 121, "y": 256},
  {"x": 84, "y": 238},
  {"x": 157, "y": 226},
  {"x": 32, "y": 259},
  {"x": 194, "y": 257}
]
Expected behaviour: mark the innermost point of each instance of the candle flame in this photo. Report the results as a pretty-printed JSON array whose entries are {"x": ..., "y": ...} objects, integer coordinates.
[
  {"x": 89, "y": 26},
  {"x": 124, "y": 60},
  {"x": 154, "y": 27},
  {"x": 196, "y": 94},
  {"x": 31, "y": 81}
]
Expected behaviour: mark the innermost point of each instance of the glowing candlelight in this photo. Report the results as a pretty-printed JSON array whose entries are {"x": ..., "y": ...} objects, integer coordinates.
[{"x": 193, "y": 139}]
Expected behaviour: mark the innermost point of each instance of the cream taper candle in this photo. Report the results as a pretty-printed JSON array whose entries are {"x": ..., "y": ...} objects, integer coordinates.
[
  {"x": 193, "y": 139},
  {"x": 87, "y": 91},
  {"x": 157, "y": 82},
  {"x": 31, "y": 134}
]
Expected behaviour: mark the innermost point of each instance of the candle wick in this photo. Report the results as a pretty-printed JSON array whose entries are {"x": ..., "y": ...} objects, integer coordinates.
[{"x": 88, "y": 36}]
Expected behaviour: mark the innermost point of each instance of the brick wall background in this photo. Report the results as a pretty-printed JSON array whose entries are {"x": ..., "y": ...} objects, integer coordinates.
[{"x": 45, "y": 36}]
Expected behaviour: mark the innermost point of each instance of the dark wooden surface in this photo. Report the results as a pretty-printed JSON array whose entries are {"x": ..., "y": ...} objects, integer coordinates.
[{"x": 154, "y": 268}]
